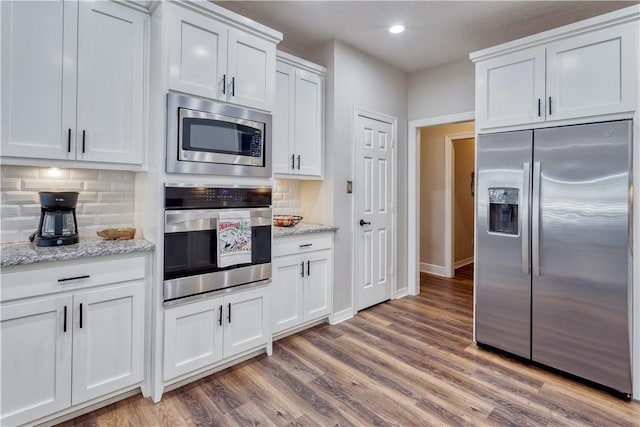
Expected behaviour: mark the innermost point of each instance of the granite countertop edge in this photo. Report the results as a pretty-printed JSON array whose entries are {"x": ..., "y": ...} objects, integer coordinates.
[
  {"x": 24, "y": 253},
  {"x": 303, "y": 228}
]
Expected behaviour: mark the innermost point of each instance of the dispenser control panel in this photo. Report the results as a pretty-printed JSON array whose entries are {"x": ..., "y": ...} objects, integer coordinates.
[{"x": 503, "y": 210}]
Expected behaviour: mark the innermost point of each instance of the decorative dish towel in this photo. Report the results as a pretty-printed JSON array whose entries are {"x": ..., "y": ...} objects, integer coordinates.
[{"x": 234, "y": 238}]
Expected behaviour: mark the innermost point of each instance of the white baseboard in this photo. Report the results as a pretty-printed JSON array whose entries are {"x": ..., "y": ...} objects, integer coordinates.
[
  {"x": 463, "y": 262},
  {"x": 438, "y": 270},
  {"x": 341, "y": 316},
  {"x": 400, "y": 293}
]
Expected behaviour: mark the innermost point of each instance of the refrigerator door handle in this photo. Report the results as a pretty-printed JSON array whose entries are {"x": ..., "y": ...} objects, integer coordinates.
[
  {"x": 524, "y": 214},
  {"x": 535, "y": 220}
]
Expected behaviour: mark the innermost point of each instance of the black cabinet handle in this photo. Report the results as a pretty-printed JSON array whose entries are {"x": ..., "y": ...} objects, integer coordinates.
[
  {"x": 302, "y": 269},
  {"x": 224, "y": 84},
  {"x": 64, "y": 327},
  {"x": 80, "y": 315},
  {"x": 73, "y": 278},
  {"x": 233, "y": 86},
  {"x": 220, "y": 315},
  {"x": 539, "y": 107},
  {"x": 229, "y": 317},
  {"x": 83, "y": 139},
  {"x": 549, "y": 105},
  {"x": 69, "y": 141},
  {"x": 363, "y": 222},
  {"x": 293, "y": 161},
  {"x": 308, "y": 268},
  {"x": 306, "y": 245},
  {"x": 298, "y": 161}
]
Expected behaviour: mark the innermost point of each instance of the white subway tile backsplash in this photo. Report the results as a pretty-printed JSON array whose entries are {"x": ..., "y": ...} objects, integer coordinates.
[
  {"x": 106, "y": 199},
  {"x": 10, "y": 184},
  {"x": 97, "y": 186},
  {"x": 52, "y": 184},
  {"x": 20, "y": 172},
  {"x": 286, "y": 197},
  {"x": 10, "y": 197},
  {"x": 10, "y": 210}
]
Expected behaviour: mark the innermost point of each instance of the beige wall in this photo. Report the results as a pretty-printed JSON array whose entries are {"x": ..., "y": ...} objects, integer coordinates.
[
  {"x": 464, "y": 155},
  {"x": 432, "y": 190}
]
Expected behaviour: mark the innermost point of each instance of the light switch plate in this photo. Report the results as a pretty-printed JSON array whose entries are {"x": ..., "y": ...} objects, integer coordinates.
[{"x": 349, "y": 187}]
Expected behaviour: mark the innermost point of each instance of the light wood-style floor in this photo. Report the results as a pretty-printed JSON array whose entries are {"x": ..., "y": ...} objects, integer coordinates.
[{"x": 408, "y": 362}]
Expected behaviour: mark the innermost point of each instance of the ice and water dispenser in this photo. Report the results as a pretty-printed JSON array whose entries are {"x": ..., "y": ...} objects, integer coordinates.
[{"x": 503, "y": 210}]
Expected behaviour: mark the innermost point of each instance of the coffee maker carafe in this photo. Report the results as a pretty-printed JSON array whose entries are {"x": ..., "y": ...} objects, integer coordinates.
[{"x": 57, "y": 219}]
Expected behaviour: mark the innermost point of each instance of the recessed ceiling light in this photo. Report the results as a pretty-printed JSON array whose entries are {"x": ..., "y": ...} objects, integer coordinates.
[{"x": 396, "y": 29}]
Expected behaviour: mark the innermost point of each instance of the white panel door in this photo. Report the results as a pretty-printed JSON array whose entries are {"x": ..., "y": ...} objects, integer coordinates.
[
  {"x": 286, "y": 291},
  {"x": 197, "y": 54},
  {"x": 108, "y": 340},
  {"x": 192, "y": 336},
  {"x": 36, "y": 359},
  {"x": 39, "y": 42},
  {"x": 110, "y": 83},
  {"x": 593, "y": 74},
  {"x": 283, "y": 119},
  {"x": 308, "y": 123},
  {"x": 252, "y": 69},
  {"x": 374, "y": 234},
  {"x": 511, "y": 89},
  {"x": 247, "y": 321},
  {"x": 317, "y": 284}
]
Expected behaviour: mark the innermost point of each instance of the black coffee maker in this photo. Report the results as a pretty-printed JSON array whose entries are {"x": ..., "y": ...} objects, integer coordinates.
[{"x": 58, "y": 225}]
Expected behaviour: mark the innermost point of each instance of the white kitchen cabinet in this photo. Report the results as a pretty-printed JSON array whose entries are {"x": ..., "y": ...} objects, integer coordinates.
[
  {"x": 302, "y": 280},
  {"x": 203, "y": 334},
  {"x": 214, "y": 60},
  {"x": 36, "y": 359},
  {"x": 108, "y": 340},
  {"x": 589, "y": 74},
  {"x": 298, "y": 118},
  {"x": 71, "y": 334},
  {"x": 73, "y": 81}
]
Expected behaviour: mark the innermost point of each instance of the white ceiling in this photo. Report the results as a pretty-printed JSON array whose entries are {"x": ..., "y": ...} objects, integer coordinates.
[{"x": 437, "y": 31}]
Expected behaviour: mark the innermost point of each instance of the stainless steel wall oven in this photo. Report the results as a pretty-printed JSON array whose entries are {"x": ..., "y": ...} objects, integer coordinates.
[{"x": 194, "y": 232}]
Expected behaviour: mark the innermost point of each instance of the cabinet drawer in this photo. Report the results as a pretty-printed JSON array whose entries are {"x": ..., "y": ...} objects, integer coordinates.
[
  {"x": 52, "y": 277},
  {"x": 291, "y": 245}
]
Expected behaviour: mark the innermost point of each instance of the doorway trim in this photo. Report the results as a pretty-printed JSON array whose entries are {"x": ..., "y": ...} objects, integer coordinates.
[
  {"x": 393, "y": 121},
  {"x": 413, "y": 187},
  {"x": 449, "y": 203}
]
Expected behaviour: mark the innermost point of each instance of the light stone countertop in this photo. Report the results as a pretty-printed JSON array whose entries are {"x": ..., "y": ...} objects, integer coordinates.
[
  {"x": 28, "y": 253},
  {"x": 302, "y": 228}
]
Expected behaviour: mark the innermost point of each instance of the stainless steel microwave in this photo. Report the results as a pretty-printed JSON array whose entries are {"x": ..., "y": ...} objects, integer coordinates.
[{"x": 214, "y": 138}]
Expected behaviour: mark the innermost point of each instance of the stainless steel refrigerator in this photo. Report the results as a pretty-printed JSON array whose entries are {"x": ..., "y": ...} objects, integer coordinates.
[{"x": 554, "y": 266}]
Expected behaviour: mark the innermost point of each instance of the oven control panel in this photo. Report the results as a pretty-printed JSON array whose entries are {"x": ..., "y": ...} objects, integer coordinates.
[{"x": 194, "y": 197}]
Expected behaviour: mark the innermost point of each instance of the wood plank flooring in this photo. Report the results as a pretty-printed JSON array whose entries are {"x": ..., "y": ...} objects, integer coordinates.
[{"x": 408, "y": 362}]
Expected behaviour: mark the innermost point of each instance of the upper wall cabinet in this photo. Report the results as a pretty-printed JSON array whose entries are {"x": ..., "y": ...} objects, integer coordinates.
[
  {"x": 584, "y": 70},
  {"x": 215, "y": 60},
  {"x": 298, "y": 118},
  {"x": 73, "y": 81}
]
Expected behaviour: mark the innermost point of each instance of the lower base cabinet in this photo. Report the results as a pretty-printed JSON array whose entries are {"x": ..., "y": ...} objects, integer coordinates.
[
  {"x": 69, "y": 348},
  {"x": 302, "y": 280},
  {"x": 202, "y": 334}
]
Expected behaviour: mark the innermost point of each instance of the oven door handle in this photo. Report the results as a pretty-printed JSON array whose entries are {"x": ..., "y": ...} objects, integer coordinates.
[{"x": 196, "y": 220}]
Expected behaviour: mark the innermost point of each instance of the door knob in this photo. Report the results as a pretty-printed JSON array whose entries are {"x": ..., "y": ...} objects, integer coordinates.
[{"x": 363, "y": 223}]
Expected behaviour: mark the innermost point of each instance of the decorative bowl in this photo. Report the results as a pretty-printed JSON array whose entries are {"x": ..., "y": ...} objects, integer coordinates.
[
  {"x": 117, "y": 233},
  {"x": 286, "y": 220}
]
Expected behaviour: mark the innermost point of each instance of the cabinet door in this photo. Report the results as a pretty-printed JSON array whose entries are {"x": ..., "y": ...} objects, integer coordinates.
[
  {"x": 197, "y": 54},
  {"x": 36, "y": 359},
  {"x": 192, "y": 337},
  {"x": 593, "y": 74},
  {"x": 246, "y": 322},
  {"x": 108, "y": 340},
  {"x": 510, "y": 89},
  {"x": 309, "y": 129},
  {"x": 38, "y": 79},
  {"x": 283, "y": 119},
  {"x": 251, "y": 67},
  {"x": 286, "y": 293},
  {"x": 317, "y": 285},
  {"x": 110, "y": 83}
]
